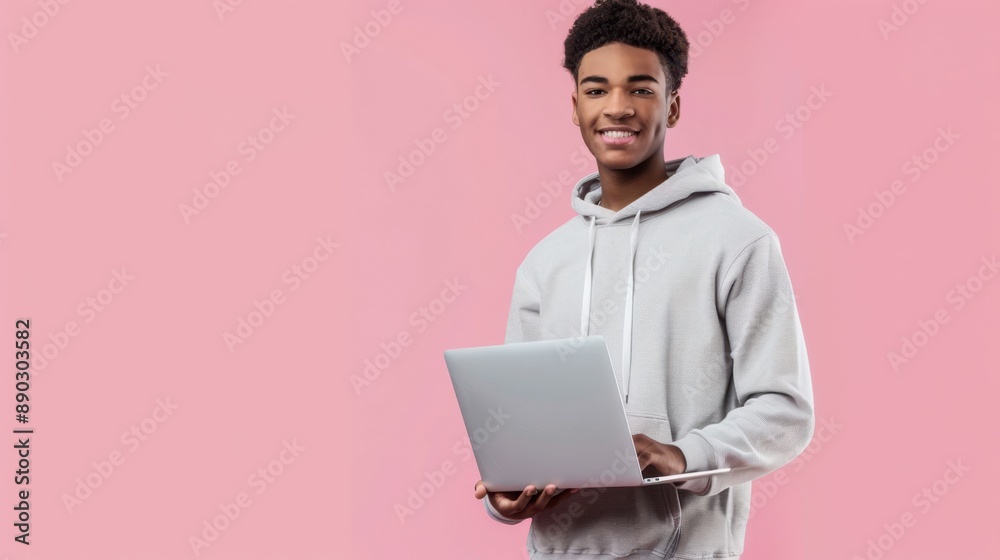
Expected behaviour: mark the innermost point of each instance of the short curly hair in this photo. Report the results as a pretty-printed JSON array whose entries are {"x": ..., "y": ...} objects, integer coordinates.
[{"x": 631, "y": 23}]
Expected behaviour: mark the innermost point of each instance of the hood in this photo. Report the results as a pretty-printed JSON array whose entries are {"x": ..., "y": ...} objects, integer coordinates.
[{"x": 688, "y": 176}]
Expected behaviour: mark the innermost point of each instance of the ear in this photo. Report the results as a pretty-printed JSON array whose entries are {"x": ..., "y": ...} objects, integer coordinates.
[
  {"x": 576, "y": 117},
  {"x": 674, "y": 109}
]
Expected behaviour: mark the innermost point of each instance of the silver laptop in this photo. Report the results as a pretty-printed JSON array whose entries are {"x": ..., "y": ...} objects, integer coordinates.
[{"x": 548, "y": 412}]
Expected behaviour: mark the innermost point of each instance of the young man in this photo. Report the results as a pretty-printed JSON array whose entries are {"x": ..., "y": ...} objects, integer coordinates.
[{"x": 687, "y": 286}]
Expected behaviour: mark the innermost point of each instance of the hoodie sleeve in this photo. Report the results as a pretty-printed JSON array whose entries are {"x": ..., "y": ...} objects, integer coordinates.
[
  {"x": 523, "y": 318},
  {"x": 522, "y": 326},
  {"x": 774, "y": 419}
]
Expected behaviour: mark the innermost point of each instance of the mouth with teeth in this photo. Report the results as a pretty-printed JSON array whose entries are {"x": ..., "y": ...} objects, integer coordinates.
[{"x": 618, "y": 137}]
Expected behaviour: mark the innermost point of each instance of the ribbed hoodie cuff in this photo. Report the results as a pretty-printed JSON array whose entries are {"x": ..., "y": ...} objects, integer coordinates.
[
  {"x": 497, "y": 515},
  {"x": 699, "y": 456}
]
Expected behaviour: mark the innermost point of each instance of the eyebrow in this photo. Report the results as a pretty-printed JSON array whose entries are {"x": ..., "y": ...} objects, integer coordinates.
[{"x": 631, "y": 79}]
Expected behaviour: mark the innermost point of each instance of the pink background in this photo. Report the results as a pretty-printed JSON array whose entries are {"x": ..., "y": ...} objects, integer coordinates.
[{"x": 322, "y": 175}]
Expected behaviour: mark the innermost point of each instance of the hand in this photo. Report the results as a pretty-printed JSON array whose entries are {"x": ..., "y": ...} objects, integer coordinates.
[
  {"x": 661, "y": 459},
  {"x": 524, "y": 504}
]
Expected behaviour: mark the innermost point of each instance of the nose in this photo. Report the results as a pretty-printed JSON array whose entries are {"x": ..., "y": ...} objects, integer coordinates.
[{"x": 618, "y": 105}]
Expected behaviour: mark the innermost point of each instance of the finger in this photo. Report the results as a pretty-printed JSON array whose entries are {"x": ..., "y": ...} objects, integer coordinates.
[
  {"x": 551, "y": 501},
  {"x": 640, "y": 443},
  {"x": 544, "y": 497},
  {"x": 645, "y": 455},
  {"x": 513, "y": 506},
  {"x": 505, "y": 498},
  {"x": 480, "y": 490},
  {"x": 642, "y": 457}
]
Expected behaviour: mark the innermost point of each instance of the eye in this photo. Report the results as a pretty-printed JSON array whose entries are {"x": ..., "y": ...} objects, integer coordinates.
[{"x": 646, "y": 90}]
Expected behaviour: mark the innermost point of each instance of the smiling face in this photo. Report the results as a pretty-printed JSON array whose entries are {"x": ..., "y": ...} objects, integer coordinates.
[{"x": 623, "y": 87}]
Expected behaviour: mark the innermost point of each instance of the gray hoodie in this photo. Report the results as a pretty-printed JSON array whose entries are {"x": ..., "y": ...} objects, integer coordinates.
[{"x": 690, "y": 290}]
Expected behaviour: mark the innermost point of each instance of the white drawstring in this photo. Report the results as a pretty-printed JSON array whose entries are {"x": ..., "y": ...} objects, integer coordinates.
[
  {"x": 585, "y": 314},
  {"x": 627, "y": 331},
  {"x": 587, "y": 287}
]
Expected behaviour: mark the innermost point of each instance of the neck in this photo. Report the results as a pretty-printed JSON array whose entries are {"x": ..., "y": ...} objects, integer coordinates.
[{"x": 621, "y": 187}]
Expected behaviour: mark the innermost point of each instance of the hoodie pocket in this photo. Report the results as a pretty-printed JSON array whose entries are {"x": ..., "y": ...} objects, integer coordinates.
[
  {"x": 618, "y": 520},
  {"x": 614, "y": 521}
]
